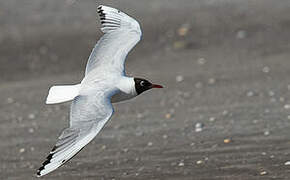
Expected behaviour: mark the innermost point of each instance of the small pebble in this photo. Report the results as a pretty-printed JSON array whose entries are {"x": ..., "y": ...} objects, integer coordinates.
[
  {"x": 271, "y": 93},
  {"x": 287, "y": 163},
  {"x": 141, "y": 169},
  {"x": 241, "y": 34},
  {"x": 198, "y": 127},
  {"x": 266, "y": 69},
  {"x": 19, "y": 119},
  {"x": 179, "y": 45},
  {"x": 173, "y": 164},
  {"x": 139, "y": 133},
  {"x": 179, "y": 78},
  {"x": 255, "y": 121},
  {"x": 31, "y": 130},
  {"x": 164, "y": 136},
  {"x": 267, "y": 133},
  {"x": 250, "y": 93},
  {"x": 22, "y": 150},
  {"x": 150, "y": 144},
  {"x": 70, "y": 2},
  {"x": 199, "y": 162},
  {"x": 226, "y": 141},
  {"x": 264, "y": 153},
  {"x": 202, "y": 61},
  {"x": 263, "y": 173},
  {"x": 10, "y": 100},
  {"x": 183, "y": 30},
  {"x": 104, "y": 147},
  {"x": 140, "y": 115},
  {"x": 168, "y": 116},
  {"x": 225, "y": 112},
  {"x": 212, "y": 119},
  {"x": 31, "y": 116},
  {"x": 181, "y": 164},
  {"x": 211, "y": 81},
  {"x": 287, "y": 106},
  {"x": 172, "y": 111},
  {"x": 198, "y": 85},
  {"x": 125, "y": 150}
]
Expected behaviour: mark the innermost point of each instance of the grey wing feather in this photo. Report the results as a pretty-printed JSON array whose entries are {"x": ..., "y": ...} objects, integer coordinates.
[
  {"x": 88, "y": 116},
  {"x": 121, "y": 34}
]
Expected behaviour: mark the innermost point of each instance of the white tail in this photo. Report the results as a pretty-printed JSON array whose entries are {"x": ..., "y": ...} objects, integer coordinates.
[{"x": 60, "y": 94}]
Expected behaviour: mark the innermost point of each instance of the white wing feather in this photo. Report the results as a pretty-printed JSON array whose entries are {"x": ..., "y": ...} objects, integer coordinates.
[
  {"x": 121, "y": 34},
  {"x": 88, "y": 116}
]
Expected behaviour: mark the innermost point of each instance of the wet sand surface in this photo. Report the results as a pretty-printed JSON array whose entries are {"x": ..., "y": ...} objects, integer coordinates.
[{"x": 224, "y": 114}]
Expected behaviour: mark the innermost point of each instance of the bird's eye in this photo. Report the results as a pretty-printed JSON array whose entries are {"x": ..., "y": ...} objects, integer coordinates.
[{"x": 142, "y": 83}]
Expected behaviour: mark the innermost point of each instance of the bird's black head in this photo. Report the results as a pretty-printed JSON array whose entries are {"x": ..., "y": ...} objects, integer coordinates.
[{"x": 142, "y": 85}]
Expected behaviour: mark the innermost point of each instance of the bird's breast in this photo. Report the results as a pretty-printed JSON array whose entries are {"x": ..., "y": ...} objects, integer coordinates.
[{"x": 121, "y": 96}]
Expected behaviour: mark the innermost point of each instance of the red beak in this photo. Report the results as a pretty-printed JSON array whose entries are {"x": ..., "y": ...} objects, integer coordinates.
[{"x": 156, "y": 86}]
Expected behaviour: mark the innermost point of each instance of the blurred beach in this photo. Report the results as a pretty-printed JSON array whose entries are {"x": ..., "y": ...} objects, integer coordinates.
[{"x": 224, "y": 114}]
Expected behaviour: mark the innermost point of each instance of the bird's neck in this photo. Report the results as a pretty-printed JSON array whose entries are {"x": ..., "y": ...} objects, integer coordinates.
[
  {"x": 127, "y": 85},
  {"x": 127, "y": 90}
]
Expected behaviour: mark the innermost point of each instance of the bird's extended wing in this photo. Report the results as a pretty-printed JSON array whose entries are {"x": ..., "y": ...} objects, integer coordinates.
[
  {"x": 121, "y": 34},
  {"x": 88, "y": 116}
]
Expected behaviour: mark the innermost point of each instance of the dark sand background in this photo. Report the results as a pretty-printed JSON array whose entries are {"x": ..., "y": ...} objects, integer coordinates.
[{"x": 224, "y": 63}]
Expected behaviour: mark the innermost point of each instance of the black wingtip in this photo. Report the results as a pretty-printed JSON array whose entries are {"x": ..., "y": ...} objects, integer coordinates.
[
  {"x": 99, "y": 7},
  {"x": 49, "y": 157},
  {"x": 42, "y": 167},
  {"x": 39, "y": 171},
  {"x": 53, "y": 149},
  {"x": 47, "y": 161}
]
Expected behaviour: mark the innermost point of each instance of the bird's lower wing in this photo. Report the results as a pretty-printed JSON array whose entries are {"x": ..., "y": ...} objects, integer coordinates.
[{"x": 87, "y": 119}]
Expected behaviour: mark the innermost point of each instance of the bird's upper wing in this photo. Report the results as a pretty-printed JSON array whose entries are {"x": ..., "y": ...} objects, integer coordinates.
[
  {"x": 89, "y": 113},
  {"x": 121, "y": 34}
]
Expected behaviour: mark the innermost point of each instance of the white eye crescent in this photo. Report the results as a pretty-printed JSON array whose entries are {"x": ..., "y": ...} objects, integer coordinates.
[{"x": 142, "y": 83}]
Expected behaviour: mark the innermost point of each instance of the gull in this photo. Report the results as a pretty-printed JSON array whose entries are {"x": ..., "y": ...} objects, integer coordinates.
[{"x": 105, "y": 82}]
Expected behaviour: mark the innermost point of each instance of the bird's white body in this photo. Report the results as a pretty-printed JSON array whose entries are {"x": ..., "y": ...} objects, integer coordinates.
[
  {"x": 105, "y": 82},
  {"x": 126, "y": 87},
  {"x": 125, "y": 90}
]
